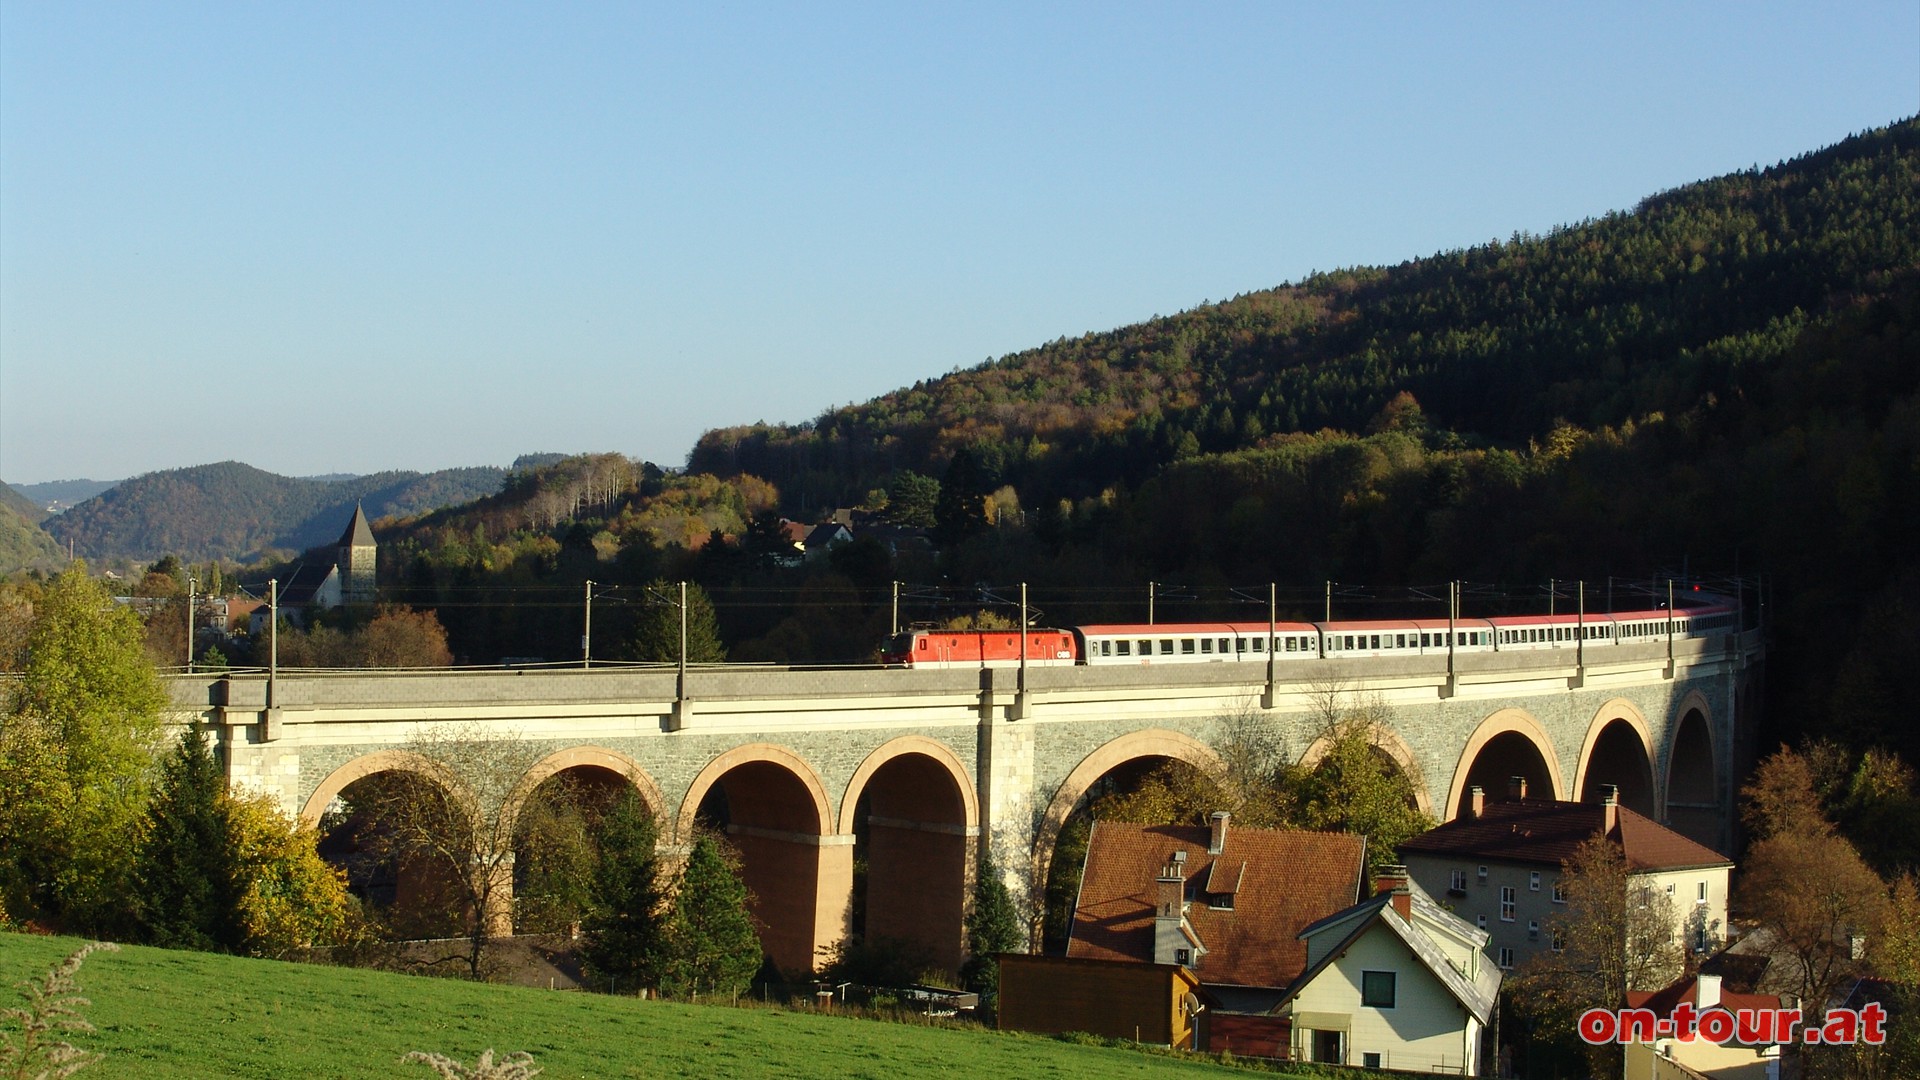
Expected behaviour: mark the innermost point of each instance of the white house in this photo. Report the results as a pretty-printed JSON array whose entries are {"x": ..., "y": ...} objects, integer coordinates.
[{"x": 1394, "y": 982}]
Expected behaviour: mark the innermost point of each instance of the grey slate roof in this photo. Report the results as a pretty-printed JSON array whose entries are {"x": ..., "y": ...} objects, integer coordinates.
[{"x": 358, "y": 533}]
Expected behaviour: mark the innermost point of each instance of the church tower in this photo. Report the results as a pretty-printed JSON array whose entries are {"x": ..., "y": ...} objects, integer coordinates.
[{"x": 356, "y": 560}]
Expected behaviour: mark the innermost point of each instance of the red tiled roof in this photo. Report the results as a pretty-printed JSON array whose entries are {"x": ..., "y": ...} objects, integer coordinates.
[
  {"x": 1547, "y": 831},
  {"x": 1291, "y": 879},
  {"x": 1663, "y": 1000}
]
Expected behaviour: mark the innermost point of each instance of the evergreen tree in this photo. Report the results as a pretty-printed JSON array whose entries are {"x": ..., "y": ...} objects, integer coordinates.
[
  {"x": 657, "y": 637},
  {"x": 962, "y": 507},
  {"x": 993, "y": 927},
  {"x": 184, "y": 874},
  {"x": 711, "y": 943},
  {"x": 623, "y": 936}
]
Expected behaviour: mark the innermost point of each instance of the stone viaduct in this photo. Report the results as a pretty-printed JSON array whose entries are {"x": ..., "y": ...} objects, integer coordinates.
[{"x": 931, "y": 767}]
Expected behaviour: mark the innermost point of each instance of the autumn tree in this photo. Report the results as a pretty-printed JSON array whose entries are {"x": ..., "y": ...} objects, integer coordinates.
[
  {"x": 1615, "y": 934},
  {"x": 400, "y": 637},
  {"x": 453, "y": 822},
  {"x": 77, "y": 745},
  {"x": 288, "y": 899},
  {"x": 1804, "y": 883}
]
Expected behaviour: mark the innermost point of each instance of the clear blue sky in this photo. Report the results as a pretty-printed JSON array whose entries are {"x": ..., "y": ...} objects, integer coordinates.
[{"x": 347, "y": 237}]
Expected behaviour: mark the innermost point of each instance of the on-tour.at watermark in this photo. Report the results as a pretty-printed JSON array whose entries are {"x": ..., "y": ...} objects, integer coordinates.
[{"x": 1748, "y": 1027}]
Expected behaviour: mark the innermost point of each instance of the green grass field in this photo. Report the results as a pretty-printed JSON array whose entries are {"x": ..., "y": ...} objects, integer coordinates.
[{"x": 166, "y": 1014}]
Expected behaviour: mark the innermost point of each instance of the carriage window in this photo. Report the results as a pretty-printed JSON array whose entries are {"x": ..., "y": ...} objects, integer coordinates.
[
  {"x": 1106, "y": 648},
  {"x": 1146, "y": 647},
  {"x": 1259, "y": 645},
  {"x": 1206, "y": 645},
  {"x": 1240, "y": 644},
  {"x": 1166, "y": 646},
  {"x": 1126, "y": 648},
  {"x": 1186, "y": 646},
  {"x": 1225, "y": 647},
  {"x": 1293, "y": 644},
  {"x": 1399, "y": 641},
  {"x": 1373, "y": 641}
]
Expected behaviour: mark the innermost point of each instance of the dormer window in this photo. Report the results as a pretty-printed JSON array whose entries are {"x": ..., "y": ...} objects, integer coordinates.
[
  {"x": 1183, "y": 957},
  {"x": 1220, "y": 901}
]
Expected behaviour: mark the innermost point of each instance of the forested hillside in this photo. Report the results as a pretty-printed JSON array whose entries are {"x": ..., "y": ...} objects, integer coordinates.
[
  {"x": 1653, "y": 310},
  {"x": 1725, "y": 380},
  {"x": 231, "y": 510},
  {"x": 23, "y": 542}
]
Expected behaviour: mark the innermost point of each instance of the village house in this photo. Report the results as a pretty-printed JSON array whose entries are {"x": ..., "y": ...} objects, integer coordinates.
[
  {"x": 1188, "y": 931},
  {"x": 1729, "y": 1060},
  {"x": 1393, "y": 982},
  {"x": 1497, "y": 865}
]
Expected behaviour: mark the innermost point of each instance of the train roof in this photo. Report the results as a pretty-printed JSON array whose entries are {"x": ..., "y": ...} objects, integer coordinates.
[{"x": 1149, "y": 629}]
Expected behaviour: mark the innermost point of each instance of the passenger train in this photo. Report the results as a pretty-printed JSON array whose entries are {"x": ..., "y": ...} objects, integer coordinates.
[{"x": 1244, "y": 642}]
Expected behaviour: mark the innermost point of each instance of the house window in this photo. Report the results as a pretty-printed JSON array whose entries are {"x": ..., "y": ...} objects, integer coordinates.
[
  {"x": 1533, "y": 881},
  {"x": 1483, "y": 875},
  {"x": 1506, "y": 959},
  {"x": 1702, "y": 897},
  {"x": 1506, "y": 903},
  {"x": 1376, "y": 989},
  {"x": 1458, "y": 882},
  {"x": 1700, "y": 935},
  {"x": 1559, "y": 893},
  {"x": 1370, "y": 1059},
  {"x": 1482, "y": 919},
  {"x": 1533, "y": 929}
]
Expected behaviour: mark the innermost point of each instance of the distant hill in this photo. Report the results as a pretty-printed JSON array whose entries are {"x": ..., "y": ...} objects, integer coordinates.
[
  {"x": 23, "y": 543},
  {"x": 63, "y": 494},
  {"x": 24, "y": 505},
  {"x": 233, "y": 510}
]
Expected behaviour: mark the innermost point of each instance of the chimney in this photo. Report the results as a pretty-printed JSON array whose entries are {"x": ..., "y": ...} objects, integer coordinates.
[
  {"x": 1392, "y": 881},
  {"x": 1610, "y": 807},
  {"x": 1476, "y": 802},
  {"x": 1169, "y": 911},
  {"x": 1706, "y": 991},
  {"x": 1516, "y": 787},
  {"x": 1171, "y": 887},
  {"x": 1217, "y": 841}
]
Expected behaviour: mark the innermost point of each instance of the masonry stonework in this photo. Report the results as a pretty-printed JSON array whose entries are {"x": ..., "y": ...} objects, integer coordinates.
[{"x": 1023, "y": 750}]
